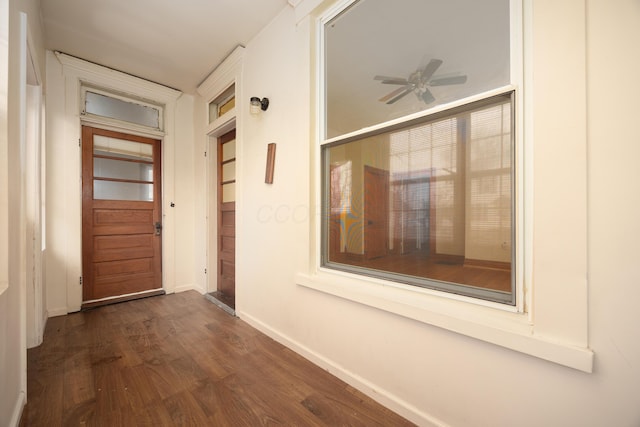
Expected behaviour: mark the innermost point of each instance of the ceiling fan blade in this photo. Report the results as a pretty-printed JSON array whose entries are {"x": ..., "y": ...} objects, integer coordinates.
[
  {"x": 428, "y": 97},
  {"x": 430, "y": 69},
  {"x": 407, "y": 90},
  {"x": 394, "y": 93},
  {"x": 452, "y": 80},
  {"x": 388, "y": 78},
  {"x": 395, "y": 82}
]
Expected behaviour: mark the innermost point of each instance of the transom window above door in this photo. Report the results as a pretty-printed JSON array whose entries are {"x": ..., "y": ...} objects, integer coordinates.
[{"x": 101, "y": 104}]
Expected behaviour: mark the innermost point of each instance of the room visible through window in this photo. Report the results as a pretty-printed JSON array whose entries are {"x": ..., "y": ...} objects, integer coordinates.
[{"x": 418, "y": 164}]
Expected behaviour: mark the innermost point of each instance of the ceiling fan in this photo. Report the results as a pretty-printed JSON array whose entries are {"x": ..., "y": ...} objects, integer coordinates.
[{"x": 419, "y": 82}]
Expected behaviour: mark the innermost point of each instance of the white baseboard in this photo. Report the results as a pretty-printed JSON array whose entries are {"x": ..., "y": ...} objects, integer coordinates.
[
  {"x": 381, "y": 396},
  {"x": 55, "y": 312},
  {"x": 189, "y": 287},
  {"x": 17, "y": 410}
]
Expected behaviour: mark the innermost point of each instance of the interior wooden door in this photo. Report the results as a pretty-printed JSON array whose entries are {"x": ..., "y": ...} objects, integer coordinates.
[
  {"x": 376, "y": 212},
  {"x": 121, "y": 216},
  {"x": 226, "y": 285}
]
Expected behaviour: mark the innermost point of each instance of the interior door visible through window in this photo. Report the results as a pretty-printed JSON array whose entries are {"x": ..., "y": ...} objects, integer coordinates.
[
  {"x": 121, "y": 216},
  {"x": 226, "y": 286}
]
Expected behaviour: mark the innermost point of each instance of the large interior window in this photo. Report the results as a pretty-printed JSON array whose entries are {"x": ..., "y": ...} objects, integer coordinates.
[{"x": 418, "y": 145}]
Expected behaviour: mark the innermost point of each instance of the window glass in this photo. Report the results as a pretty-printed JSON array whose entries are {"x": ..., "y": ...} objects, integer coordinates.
[
  {"x": 122, "y": 148},
  {"x": 428, "y": 203},
  {"x": 222, "y": 104},
  {"x": 115, "y": 108},
  {"x": 122, "y": 169},
  {"x": 111, "y": 190},
  {"x": 384, "y": 60}
]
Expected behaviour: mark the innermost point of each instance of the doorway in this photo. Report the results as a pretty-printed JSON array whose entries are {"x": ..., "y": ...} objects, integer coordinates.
[
  {"x": 225, "y": 292},
  {"x": 376, "y": 212},
  {"x": 121, "y": 217}
]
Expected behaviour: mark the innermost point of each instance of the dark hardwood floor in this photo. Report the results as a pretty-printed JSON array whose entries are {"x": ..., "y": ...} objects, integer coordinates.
[{"x": 180, "y": 360}]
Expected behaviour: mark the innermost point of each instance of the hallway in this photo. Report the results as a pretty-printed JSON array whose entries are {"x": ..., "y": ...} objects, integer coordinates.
[{"x": 180, "y": 360}]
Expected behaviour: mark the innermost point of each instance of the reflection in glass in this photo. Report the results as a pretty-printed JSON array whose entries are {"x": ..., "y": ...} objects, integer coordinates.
[
  {"x": 430, "y": 203},
  {"x": 384, "y": 61}
]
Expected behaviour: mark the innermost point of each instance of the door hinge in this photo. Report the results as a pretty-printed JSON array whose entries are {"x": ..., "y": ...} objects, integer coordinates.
[
  {"x": 79, "y": 143},
  {"x": 80, "y": 280},
  {"x": 205, "y": 154}
]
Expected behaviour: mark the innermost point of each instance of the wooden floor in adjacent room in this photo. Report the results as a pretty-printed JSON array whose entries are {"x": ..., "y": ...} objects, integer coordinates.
[{"x": 180, "y": 360}]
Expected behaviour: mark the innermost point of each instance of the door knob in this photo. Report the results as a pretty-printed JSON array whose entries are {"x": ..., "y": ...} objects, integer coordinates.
[{"x": 158, "y": 228}]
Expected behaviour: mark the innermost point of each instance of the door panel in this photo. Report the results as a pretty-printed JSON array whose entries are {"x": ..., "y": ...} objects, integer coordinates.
[
  {"x": 227, "y": 218},
  {"x": 120, "y": 209}
]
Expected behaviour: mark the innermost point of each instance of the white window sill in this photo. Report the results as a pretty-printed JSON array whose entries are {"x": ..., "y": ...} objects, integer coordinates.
[{"x": 489, "y": 322}]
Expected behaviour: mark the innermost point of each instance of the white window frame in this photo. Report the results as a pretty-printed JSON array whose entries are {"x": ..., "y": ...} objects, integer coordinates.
[{"x": 550, "y": 324}]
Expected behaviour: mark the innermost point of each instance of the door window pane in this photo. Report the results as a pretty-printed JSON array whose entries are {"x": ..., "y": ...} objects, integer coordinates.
[
  {"x": 229, "y": 192},
  {"x": 229, "y": 150},
  {"x": 121, "y": 169},
  {"x": 115, "y": 147},
  {"x": 229, "y": 171},
  {"x": 112, "y": 190}
]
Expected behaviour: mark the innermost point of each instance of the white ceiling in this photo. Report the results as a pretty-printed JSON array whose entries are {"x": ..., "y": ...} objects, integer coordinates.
[{"x": 175, "y": 43}]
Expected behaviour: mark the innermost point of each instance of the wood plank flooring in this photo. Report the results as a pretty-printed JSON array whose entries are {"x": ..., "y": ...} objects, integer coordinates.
[
  {"x": 178, "y": 360},
  {"x": 421, "y": 265}
]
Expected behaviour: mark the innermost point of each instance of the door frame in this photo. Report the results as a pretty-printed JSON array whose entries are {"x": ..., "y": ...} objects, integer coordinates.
[{"x": 64, "y": 254}]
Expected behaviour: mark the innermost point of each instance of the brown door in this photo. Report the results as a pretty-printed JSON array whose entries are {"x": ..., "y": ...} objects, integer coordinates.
[
  {"x": 376, "y": 212},
  {"x": 227, "y": 218},
  {"x": 121, "y": 216}
]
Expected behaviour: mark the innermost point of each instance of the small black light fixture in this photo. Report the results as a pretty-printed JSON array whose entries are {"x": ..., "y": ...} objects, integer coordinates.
[{"x": 258, "y": 104}]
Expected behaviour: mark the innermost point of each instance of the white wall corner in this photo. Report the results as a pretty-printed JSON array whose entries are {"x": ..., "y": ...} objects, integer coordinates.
[
  {"x": 21, "y": 401},
  {"x": 59, "y": 311},
  {"x": 304, "y": 8},
  {"x": 190, "y": 287},
  {"x": 223, "y": 76}
]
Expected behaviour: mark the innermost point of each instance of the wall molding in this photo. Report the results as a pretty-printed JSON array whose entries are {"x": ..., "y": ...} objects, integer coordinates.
[
  {"x": 372, "y": 390},
  {"x": 18, "y": 407}
]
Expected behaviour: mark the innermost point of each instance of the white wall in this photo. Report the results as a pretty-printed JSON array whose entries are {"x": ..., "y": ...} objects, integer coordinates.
[
  {"x": 186, "y": 195},
  {"x": 427, "y": 373},
  {"x": 12, "y": 202}
]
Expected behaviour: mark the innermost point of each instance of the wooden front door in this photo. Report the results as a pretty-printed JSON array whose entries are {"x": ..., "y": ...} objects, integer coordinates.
[
  {"x": 121, "y": 216},
  {"x": 227, "y": 218},
  {"x": 376, "y": 212}
]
